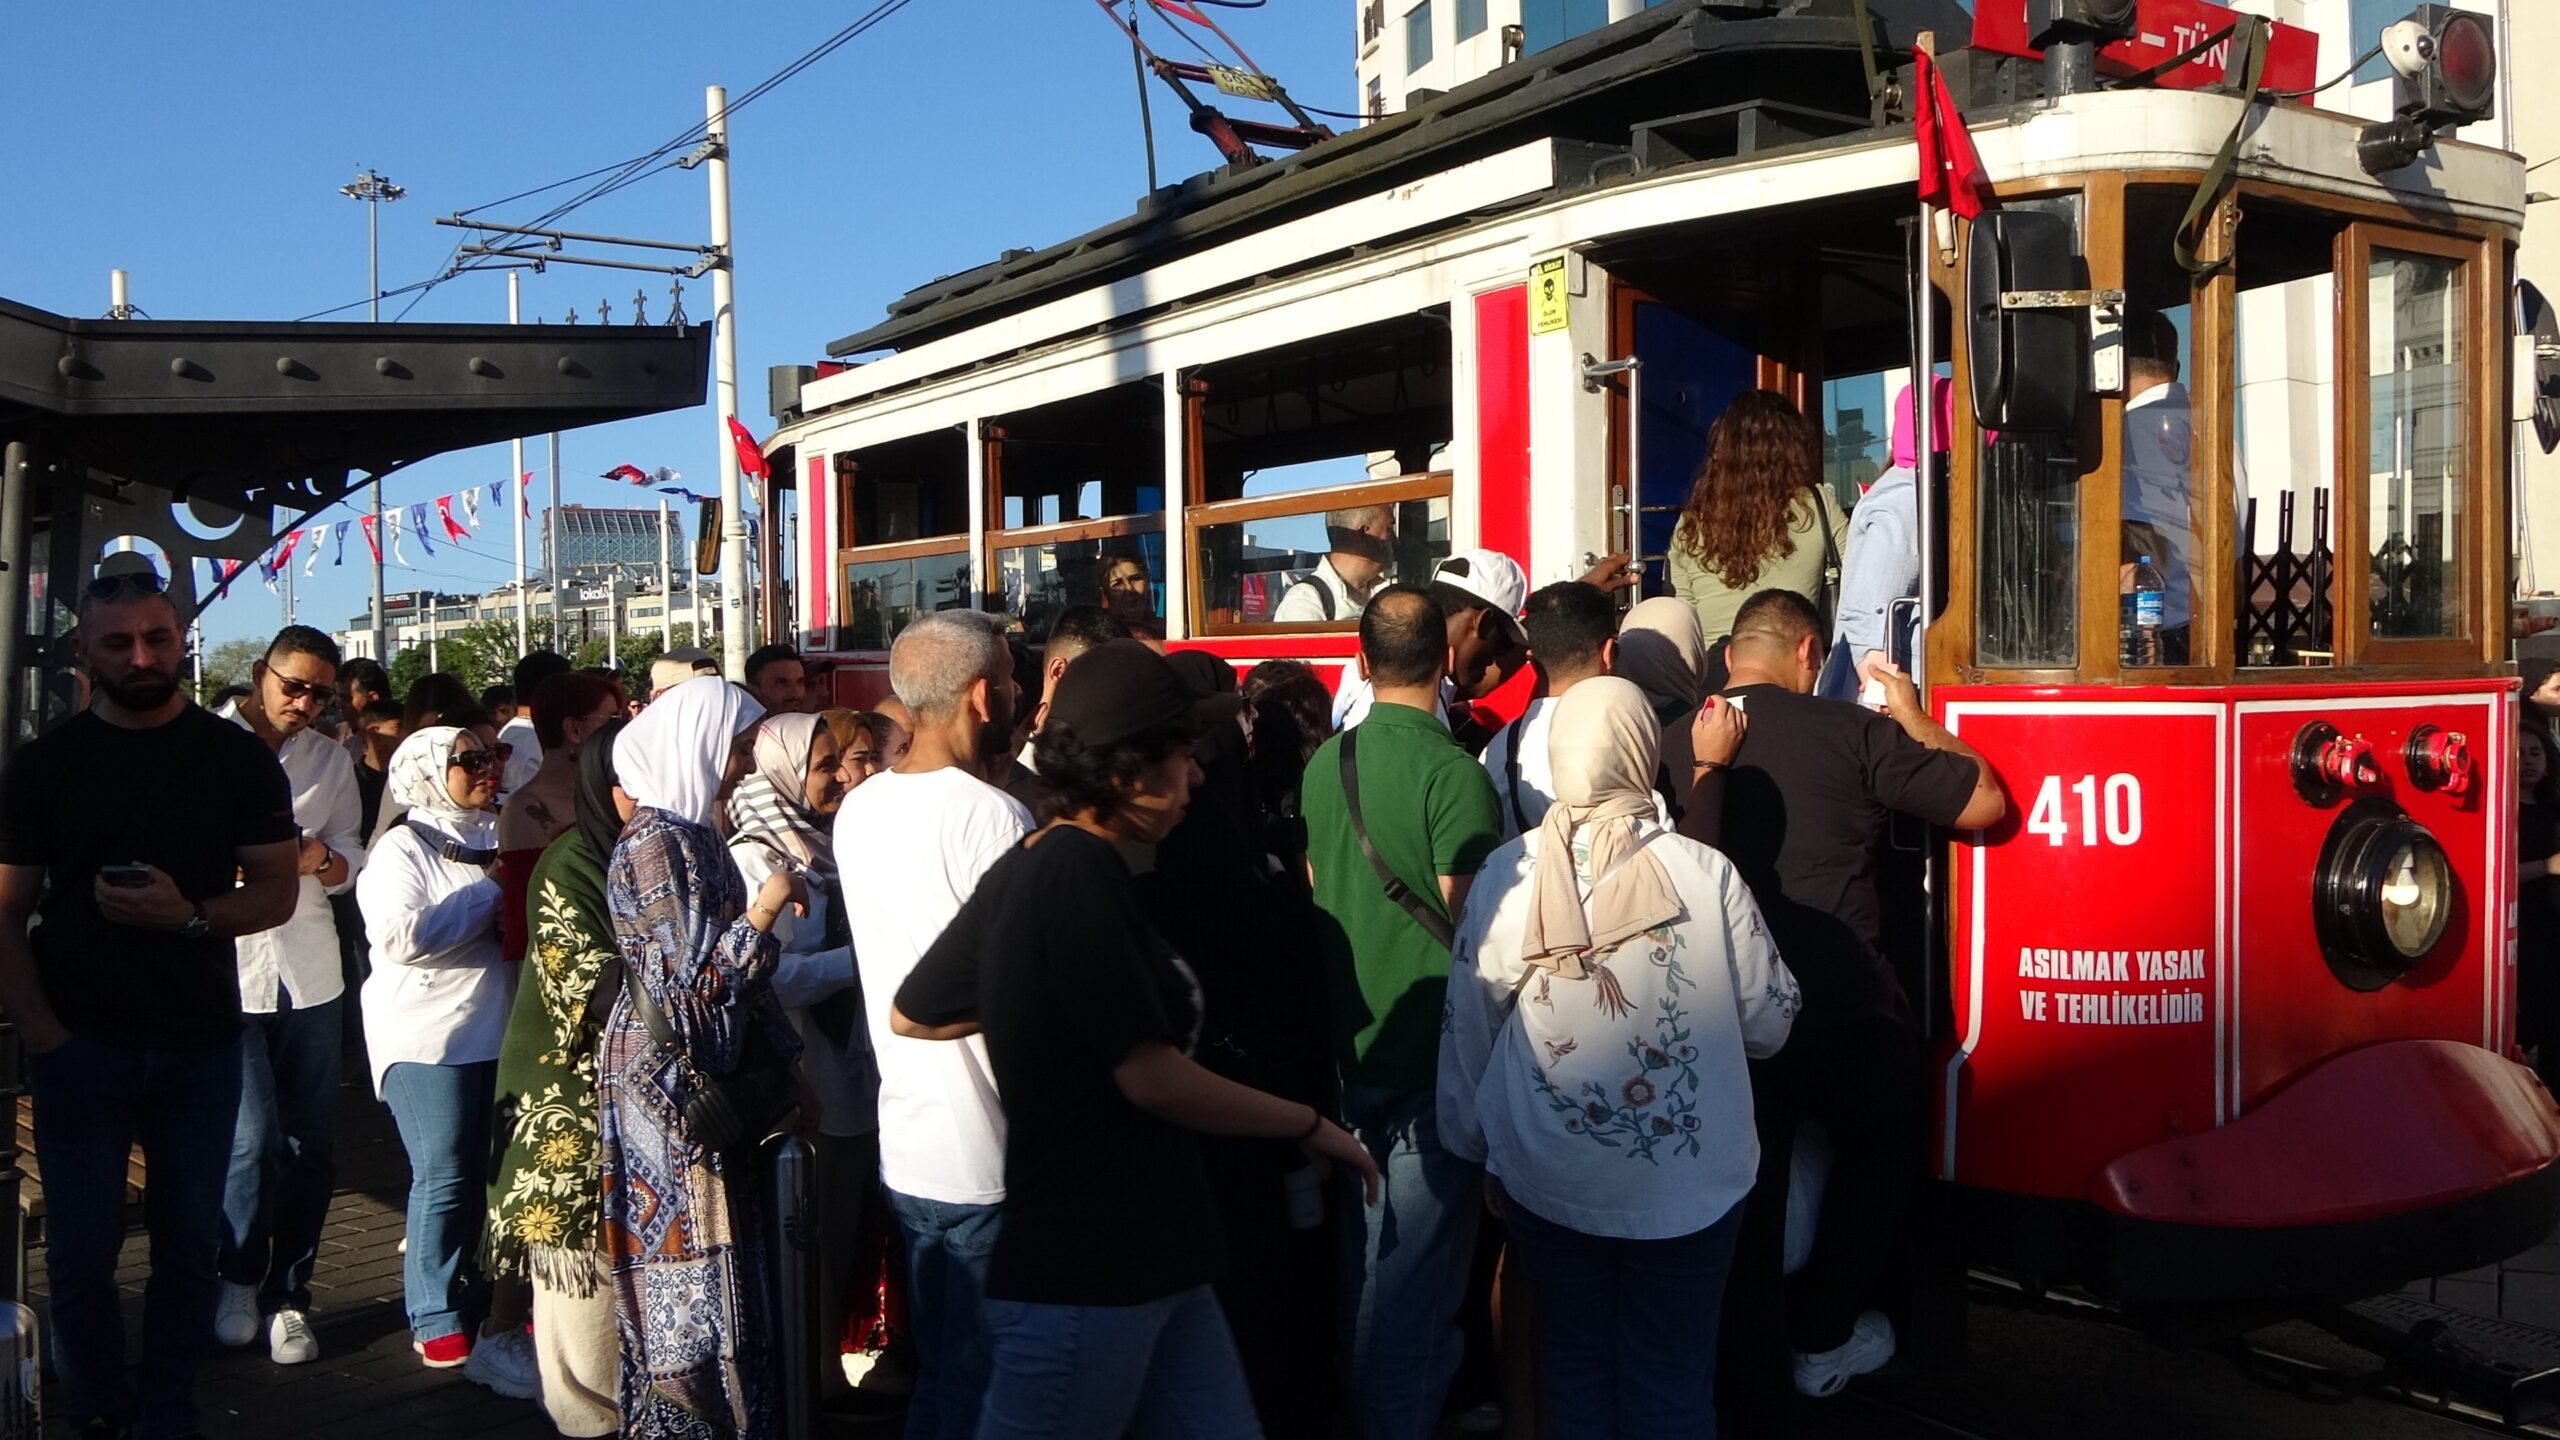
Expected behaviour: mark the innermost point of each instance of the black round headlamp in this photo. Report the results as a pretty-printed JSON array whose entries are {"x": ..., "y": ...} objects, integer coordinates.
[{"x": 2382, "y": 897}]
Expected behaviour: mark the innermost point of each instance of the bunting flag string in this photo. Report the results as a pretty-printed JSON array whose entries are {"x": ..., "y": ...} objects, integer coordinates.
[
  {"x": 453, "y": 531},
  {"x": 418, "y": 528},
  {"x": 391, "y": 529},
  {"x": 524, "y": 494},
  {"x": 471, "y": 506},
  {"x": 342, "y": 545},
  {"x": 372, "y": 541},
  {"x": 634, "y": 475},
  {"x": 316, "y": 535},
  {"x": 694, "y": 496},
  {"x": 231, "y": 568},
  {"x": 284, "y": 548}
]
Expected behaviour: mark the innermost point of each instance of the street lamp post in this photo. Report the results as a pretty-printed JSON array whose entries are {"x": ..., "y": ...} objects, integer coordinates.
[{"x": 373, "y": 189}]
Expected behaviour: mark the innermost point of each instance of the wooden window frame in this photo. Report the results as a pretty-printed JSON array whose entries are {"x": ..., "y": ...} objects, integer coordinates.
[
  {"x": 2480, "y": 632},
  {"x": 1429, "y": 485}
]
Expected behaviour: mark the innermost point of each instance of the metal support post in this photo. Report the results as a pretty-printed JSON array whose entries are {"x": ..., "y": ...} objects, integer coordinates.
[
  {"x": 724, "y": 351},
  {"x": 17, "y": 479},
  {"x": 515, "y": 511},
  {"x": 551, "y": 547},
  {"x": 666, "y": 587}
]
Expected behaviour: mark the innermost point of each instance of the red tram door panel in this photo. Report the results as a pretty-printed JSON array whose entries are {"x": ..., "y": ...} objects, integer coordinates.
[{"x": 2089, "y": 955}]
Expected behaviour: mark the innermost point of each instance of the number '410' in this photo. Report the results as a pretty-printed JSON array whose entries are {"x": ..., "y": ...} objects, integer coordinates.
[{"x": 2109, "y": 811}]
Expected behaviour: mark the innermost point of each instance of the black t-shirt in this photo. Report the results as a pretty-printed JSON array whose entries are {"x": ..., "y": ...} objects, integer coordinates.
[
  {"x": 184, "y": 796},
  {"x": 1104, "y": 1204},
  {"x": 1804, "y": 821}
]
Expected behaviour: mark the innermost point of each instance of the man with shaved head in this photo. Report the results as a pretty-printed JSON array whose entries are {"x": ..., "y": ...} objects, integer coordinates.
[
  {"x": 148, "y": 833},
  {"x": 911, "y": 843}
]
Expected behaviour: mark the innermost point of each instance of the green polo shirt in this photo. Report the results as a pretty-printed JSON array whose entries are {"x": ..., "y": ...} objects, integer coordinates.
[{"x": 1431, "y": 812}]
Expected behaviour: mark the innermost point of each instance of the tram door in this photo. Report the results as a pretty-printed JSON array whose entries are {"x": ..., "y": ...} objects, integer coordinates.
[{"x": 1691, "y": 366}]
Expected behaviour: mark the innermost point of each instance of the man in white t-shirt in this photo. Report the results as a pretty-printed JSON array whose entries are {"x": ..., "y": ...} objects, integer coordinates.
[
  {"x": 910, "y": 846},
  {"x": 1573, "y": 635},
  {"x": 1362, "y": 543}
]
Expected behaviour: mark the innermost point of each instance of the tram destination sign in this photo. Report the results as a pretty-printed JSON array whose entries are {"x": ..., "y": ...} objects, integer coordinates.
[{"x": 2166, "y": 29}]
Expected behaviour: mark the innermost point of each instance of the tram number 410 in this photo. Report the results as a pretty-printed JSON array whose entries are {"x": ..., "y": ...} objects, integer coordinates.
[{"x": 2110, "y": 811}]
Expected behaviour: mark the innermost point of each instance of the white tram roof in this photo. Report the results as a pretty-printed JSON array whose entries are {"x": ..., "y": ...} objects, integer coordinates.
[{"x": 1467, "y": 190}]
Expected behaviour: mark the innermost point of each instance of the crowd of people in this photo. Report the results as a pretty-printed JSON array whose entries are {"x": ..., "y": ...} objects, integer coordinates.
[{"x": 1167, "y": 1042}]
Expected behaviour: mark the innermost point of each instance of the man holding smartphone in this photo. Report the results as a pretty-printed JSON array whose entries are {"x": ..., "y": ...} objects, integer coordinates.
[
  {"x": 126, "y": 994},
  {"x": 292, "y": 995}
]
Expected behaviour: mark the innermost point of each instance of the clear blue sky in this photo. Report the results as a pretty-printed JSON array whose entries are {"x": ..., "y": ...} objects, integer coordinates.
[{"x": 201, "y": 148}]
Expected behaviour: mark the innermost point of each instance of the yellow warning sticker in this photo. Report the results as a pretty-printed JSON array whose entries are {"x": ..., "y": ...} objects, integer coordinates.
[{"x": 1546, "y": 296}]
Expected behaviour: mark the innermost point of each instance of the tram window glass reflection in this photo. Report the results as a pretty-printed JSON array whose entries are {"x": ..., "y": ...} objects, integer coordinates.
[
  {"x": 2284, "y": 418},
  {"x": 1087, "y": 458},
  {"x": 1250, "y": 568},
  {"x": 1035, "y": 582},
  {"x": 909, "y": 489},
  {"x": 2414, "y": 460},
  {"x": 2027, "y": 566},
  {"x": 1855, "y": 442},
  {"x": 883, "y": 596}
]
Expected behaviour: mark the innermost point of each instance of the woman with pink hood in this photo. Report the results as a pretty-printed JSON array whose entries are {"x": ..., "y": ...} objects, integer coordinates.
[{"x": 1881, "y": 561}]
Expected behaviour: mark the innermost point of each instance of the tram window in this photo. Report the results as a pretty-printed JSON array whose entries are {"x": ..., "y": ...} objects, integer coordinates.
[
  {"x": 2159, "y": 472},
  {"x": 909, "y": 489},
  {"x": 1088, "y": 458},
  {"x": 1035, "y": 582},
  {"x": 1855, "y": 441},
  {"x": 2027, "y": 500},
  {"x": 2414, "y": 459},
  {"x": 1250, "y": 568},
  {"x": 882, "y": 596},
  {"x": 2284, "y": 408}
]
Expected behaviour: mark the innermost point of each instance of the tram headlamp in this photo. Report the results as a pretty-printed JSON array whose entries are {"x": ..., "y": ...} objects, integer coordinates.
[{"x": 2382, "y": 897}]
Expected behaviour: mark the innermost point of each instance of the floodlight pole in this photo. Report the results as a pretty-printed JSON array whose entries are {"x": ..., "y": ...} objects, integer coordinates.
[
  {"x": 373, "y": 189},
  {"x": 514, "y": 491},
  {"x": 724, "y": 350}
]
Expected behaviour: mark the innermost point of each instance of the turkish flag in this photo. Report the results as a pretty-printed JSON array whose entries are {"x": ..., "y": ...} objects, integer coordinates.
[
  {"x": 372, "y": 541},
  {"x": 750, "y": 454},
  {"x": 452, "y": 528},
  {"x": 1951, "y": 172}
]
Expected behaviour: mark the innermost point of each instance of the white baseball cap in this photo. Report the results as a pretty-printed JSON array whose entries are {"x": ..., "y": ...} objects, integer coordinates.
[{"x": 1490, "y": 576}]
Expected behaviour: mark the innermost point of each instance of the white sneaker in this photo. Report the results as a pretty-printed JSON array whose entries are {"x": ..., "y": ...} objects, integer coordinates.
[
  {"x": 504, "y": 1363},
  {"x": 235, "y": 1318},
  {"x": 289, "y": 1338},
  {"x": 1867, "y": 1350}
]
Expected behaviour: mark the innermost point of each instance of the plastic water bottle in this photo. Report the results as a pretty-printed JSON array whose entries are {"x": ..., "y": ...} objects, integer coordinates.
[{"x": 2145, "y": 605}]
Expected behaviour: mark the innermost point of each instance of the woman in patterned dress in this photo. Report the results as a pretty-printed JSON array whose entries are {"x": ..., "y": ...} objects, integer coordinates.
[
  {"x": 1609, "y": 978},
  {"x": 682, "y": 1224},
  {"x": 543, "y": 1221}
]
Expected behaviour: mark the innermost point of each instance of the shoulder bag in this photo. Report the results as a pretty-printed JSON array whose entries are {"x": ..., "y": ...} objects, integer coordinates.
[
  {"x": 724, "y": 1113},
  {"x": 1433, "y": 923}
]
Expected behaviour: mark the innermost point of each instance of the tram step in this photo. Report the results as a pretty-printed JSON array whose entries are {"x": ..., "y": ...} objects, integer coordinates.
[{"x": 2502, "y": 1365}]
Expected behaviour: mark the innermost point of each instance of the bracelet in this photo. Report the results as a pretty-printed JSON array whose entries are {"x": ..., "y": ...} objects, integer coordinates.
[{"x": 1315, "y": 1123}]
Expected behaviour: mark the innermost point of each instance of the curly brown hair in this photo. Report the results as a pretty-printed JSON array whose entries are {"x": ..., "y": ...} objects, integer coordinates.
[{"x": 1763, "y": 460}]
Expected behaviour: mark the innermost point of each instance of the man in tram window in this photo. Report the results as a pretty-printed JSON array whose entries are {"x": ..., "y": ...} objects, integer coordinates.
[
  {"x": 2159, "y": 435},
  {"x": 1361, "y": 545}
]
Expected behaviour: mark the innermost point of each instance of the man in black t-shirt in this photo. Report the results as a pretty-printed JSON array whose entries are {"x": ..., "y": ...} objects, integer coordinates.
[
  {"x": 141, "y": 835},
  {"x": 1806, "y": 807}
]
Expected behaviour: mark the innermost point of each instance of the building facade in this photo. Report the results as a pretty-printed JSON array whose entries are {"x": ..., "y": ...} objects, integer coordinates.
[{"x": 594, "y": 539}]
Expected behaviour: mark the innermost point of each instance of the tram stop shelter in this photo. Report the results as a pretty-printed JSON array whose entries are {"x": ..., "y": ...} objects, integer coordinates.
[{"x": 210, "y": 439}]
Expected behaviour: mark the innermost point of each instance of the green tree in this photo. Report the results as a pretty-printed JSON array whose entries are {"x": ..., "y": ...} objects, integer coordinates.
[
  {"x": 407, "y": 667},
  {"x": 485, "y": 652},
  {"x": 228, "y": 664}
]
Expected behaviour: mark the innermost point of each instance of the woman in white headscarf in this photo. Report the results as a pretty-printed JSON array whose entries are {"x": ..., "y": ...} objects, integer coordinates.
[
  {"x": 1609, "y": 978},
  {"x": 435, "y": 1013},
  {"x": 683, "y": 1226},
  {"x": 780, "y": 820}
]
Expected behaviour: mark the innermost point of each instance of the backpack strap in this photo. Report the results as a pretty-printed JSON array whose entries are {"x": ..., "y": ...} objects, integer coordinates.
[
  {"x": 446, "y": 847},
  {"x": 1433, "y": 923},
  {"x": 1511, "y": 769}
]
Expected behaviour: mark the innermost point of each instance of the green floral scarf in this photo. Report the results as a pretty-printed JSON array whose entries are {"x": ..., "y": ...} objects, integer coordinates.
[{"x": 543, "y": 1214}]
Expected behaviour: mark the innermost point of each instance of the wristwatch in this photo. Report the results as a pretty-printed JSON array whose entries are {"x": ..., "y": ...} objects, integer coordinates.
[{"x": 197, "y": 927}]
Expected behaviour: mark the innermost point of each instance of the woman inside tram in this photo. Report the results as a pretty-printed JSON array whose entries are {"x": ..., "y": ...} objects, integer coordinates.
[{"x": 1758, "y": 517}]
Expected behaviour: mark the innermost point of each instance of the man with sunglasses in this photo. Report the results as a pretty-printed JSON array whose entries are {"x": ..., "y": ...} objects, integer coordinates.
[
  {"x": 292, "y": 995},
  {"x": 148, "y": 833}
]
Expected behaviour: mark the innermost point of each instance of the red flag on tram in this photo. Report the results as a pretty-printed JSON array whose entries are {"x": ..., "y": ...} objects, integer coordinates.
[
  {"x": 750, "y": 454},
  {"x": 1951, "y": 172}
]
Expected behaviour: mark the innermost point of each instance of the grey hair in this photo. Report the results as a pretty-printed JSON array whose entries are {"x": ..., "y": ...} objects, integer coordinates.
[
  {"x": 1358, "y": 517},
  {"x": 940, "y": 654}
]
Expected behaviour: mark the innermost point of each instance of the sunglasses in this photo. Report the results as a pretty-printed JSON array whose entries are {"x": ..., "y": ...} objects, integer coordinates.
[
  {"x": 475, "y": 762},
  {"x": 303, "y": 689},
  {"x": 140, "y": 582}
]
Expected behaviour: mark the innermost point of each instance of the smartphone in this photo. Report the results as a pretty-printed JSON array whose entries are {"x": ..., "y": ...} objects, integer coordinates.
[{"x": 125, "y": 877}]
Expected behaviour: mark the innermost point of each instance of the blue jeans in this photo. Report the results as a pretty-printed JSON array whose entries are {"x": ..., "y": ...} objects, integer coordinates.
[
  {"x": 1626, "y": 1328},
  {"x": 947, "y": 1250},
  {"x": 1404, "y": 1264},
  {"x": 1165, "y": 1370},
  {"x": 284, "y": 1155},
  {"x": 443, "y": 1114},
  {"x": 93, "y": 1102}
]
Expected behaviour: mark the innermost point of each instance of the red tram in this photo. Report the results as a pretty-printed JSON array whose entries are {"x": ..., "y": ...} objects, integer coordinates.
[{"x": 2224, "y": 1010}]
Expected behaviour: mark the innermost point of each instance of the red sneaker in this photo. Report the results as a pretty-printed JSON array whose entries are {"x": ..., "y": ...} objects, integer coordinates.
[{"x": 445, "y": 1351}]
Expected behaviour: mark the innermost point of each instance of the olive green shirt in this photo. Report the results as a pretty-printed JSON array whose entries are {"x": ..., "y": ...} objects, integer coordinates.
[{"x": 1799, "y": 570}]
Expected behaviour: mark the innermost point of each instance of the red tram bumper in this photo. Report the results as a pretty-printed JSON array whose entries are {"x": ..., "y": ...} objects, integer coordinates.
[{"x": 2386, "y": 1164}]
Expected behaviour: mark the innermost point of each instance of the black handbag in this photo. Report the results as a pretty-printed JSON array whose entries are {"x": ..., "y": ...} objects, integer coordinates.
[{"x": 728, "y": 1113}]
